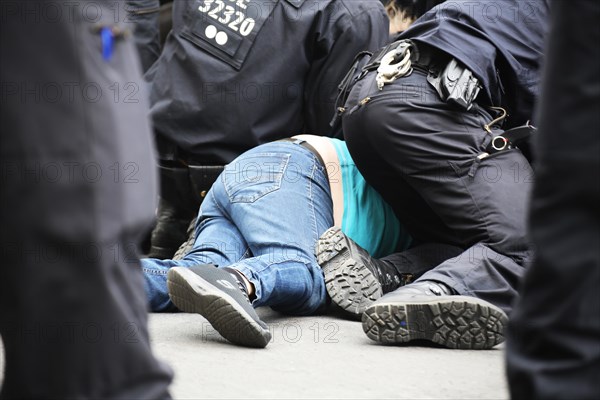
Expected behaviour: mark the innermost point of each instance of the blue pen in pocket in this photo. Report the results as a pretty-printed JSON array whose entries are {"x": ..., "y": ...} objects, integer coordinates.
[{"x": 106, "y": 33}]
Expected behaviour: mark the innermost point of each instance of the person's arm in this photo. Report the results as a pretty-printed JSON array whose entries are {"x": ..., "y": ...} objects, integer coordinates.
[{"x": 143, "y": 14}]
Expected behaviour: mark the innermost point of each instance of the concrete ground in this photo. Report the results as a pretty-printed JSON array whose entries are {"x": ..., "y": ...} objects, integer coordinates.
[{"x": 324, "y": 357}]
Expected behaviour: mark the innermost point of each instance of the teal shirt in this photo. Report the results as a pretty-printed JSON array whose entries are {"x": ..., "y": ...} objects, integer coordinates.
[{"x": 367, "y": 218}]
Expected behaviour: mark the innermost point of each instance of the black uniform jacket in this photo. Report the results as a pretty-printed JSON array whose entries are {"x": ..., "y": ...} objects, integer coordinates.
[{"x": 238, "y": 73}]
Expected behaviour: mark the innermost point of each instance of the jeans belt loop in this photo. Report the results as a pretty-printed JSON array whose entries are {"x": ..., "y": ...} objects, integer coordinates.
[{"x": 306, "y": 145}]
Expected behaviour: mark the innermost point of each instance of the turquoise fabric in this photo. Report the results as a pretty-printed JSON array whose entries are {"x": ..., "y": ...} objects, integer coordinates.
[{"x": 367, "y": 218}]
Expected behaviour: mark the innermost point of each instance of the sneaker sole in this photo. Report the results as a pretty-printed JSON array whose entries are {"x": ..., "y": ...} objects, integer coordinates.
[
  {"x": 459, "y": 323},
  {"x": 352, "y": 287},
  {"x": 190, "y": 293}
]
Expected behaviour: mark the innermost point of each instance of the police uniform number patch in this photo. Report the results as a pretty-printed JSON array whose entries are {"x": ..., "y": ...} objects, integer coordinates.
[{"x": 227, "y": 28}]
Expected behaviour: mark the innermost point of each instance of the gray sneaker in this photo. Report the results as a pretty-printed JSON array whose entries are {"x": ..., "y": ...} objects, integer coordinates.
[
  {"x": 220, "y": 298},
  {"x": 428, "y": 311}
]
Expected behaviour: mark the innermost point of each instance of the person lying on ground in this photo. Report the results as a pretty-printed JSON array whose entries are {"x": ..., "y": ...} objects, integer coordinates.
[{"x": 256, "y": 233}]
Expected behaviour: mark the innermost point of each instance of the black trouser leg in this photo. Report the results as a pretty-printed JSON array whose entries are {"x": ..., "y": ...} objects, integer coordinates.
[
  {"x": 421, "y": 258},
  {"x": 553, "y": 344},
  {"x": 421, "y": 155},
  {"x": 79, "y": 190}
]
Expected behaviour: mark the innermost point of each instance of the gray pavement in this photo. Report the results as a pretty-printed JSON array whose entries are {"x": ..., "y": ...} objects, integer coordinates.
[{"x": 324, "y": 357}]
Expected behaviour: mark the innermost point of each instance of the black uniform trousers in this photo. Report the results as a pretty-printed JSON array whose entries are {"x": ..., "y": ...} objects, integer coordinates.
[
  {"x": 78, "y": 189},
  {"x": 421, "y": 154},
  {"x": 553, "y": 343}
]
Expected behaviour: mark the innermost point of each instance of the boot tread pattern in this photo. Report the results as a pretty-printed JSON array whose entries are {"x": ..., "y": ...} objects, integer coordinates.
[
  {"x": 453, "y": 324},
  {"x": 350, "y": 285}
]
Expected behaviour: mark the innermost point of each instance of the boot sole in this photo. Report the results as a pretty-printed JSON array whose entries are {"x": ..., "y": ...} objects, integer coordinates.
[
  {"x": 350, "y": 285},
  {"x": 193, "y": 294},
  {"x": 459, "y": 322},
  {"x": 188, "y": 245}
]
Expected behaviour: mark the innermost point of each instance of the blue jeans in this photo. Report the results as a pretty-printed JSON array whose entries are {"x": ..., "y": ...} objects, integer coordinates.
[{"x": 263, "y": 217}]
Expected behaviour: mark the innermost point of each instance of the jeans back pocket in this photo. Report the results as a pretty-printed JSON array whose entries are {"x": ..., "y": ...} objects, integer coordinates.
[{"x": 251, "y": 177}]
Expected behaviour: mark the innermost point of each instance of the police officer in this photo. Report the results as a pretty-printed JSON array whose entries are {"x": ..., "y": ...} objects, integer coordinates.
[
  {"x": 429, "y": 126},
  {"x": 78, "y": 184},
  {"x": 237, "y": 73},
  {"x": 553, "y": 343}
]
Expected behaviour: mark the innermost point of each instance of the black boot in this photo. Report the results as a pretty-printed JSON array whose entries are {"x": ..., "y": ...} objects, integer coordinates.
[
  {"x": 177, "y": 207},
  {"x": 431, "y": 311},
  {"x": 353, "y": 278},
  {"x": 170, "y": 230}
]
